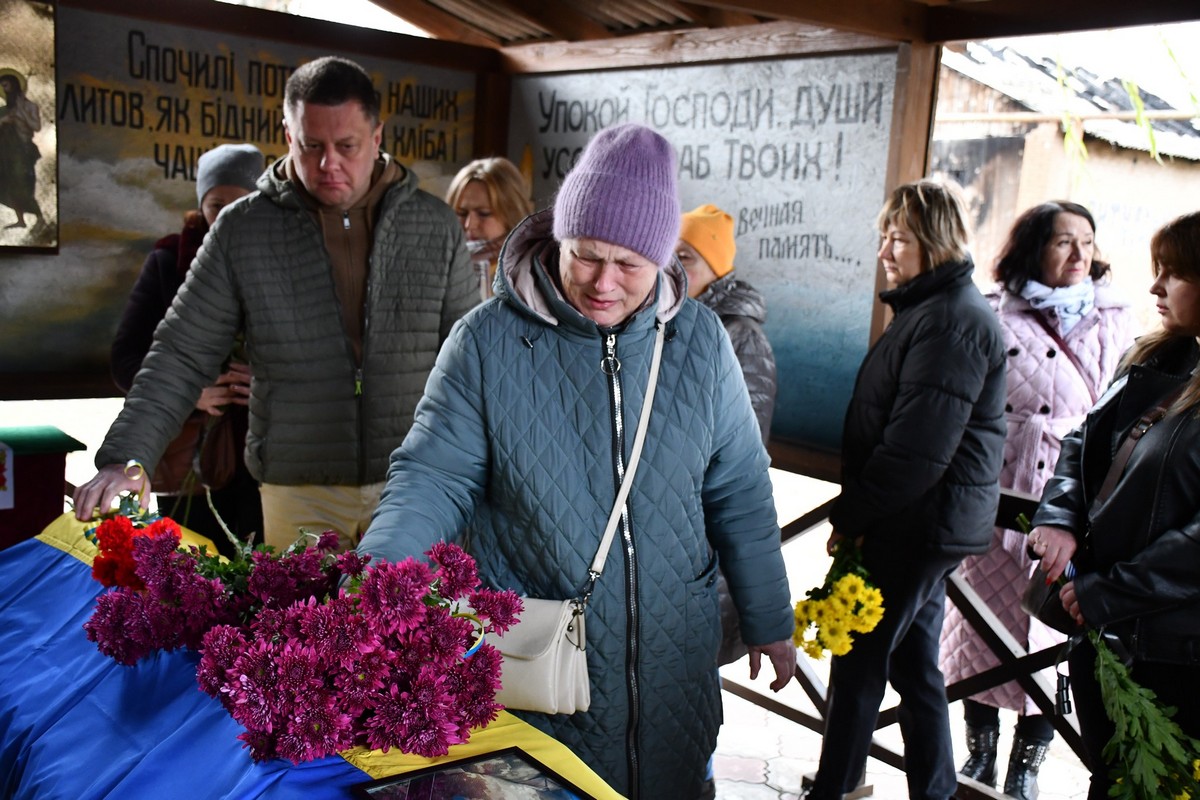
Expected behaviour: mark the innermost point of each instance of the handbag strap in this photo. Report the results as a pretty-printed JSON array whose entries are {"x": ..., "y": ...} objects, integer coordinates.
[
  {"x": 635, "y": 457},
  {"x": 1066, "y": 350},
  {"x": 1139, "y": 429}
]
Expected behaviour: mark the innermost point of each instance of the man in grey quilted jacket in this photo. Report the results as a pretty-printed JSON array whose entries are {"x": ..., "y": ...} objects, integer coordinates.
[
  {"x": 523, "y": 437},
  {"x": 344, "y": 279}
]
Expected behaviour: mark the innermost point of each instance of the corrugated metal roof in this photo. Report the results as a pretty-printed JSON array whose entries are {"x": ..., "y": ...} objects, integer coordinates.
[{"x": 1044, "y": 85}]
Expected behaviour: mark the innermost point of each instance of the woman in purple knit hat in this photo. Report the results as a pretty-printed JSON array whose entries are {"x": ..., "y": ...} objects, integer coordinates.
[{"x": 525, "y": 433}]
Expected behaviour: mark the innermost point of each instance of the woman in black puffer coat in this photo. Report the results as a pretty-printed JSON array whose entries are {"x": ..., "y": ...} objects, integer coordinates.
[
  {"x": 921, "y": 455},
  {"x": 1137, "y": 546}
]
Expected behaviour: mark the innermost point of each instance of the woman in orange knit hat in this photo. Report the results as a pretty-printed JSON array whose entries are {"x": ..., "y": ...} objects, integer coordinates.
[{"x": 706, "y": 250}]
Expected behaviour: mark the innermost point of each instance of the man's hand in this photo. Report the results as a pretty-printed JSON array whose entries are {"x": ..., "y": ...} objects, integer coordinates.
[
  {"x": 783, "y": 657},
  {"x": 97, "y": 495}
]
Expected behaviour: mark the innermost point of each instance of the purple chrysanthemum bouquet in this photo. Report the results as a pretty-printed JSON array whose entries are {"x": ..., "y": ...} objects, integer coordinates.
[
  {"x": 311, "y": 652},
  {"x": 388, "y": 661},
  {"x": 165, "y": 597}
]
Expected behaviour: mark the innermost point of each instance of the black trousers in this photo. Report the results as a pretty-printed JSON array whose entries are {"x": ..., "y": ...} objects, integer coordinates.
[
  {"x": 1174, "y": 684},
  {"x": 903, "y": 649}
]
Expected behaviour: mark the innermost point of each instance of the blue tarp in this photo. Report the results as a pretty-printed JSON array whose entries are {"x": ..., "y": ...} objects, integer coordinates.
[{"x": 75, "y": 725}]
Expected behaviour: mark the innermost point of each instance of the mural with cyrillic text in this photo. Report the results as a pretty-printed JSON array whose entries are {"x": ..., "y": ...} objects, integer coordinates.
[
  {"x": 796, "y": 151},
  {"x": 137, "y": 104}
]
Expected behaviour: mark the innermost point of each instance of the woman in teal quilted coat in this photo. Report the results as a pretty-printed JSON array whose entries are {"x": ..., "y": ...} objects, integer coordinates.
[{"x": 520, "y": 444}]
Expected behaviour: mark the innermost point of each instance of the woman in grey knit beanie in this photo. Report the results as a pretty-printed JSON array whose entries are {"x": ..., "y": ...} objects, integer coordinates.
[{"x": 223, "y": 175}]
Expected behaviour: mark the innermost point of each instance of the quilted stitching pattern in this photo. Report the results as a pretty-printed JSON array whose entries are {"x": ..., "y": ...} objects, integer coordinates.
[
  {"x": 743, "y": 310},
  {"x": 1047, "y": 397}
]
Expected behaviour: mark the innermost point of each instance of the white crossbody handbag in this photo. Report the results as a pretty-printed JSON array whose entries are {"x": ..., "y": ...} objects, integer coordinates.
[{"x": 545, "y": 654}]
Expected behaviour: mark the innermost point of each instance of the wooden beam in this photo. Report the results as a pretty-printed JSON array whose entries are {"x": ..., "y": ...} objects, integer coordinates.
[
  {"x": 686, "y": 47},
  {"x": 1012, "y": 505},
  {"x": 437, "y": 23},
  {"x": 894, "y": 20},
  {"x": 713, "y": 17},
  {"x": 995, "y": 18},
  {"x": 1035, "y": 117},
  {"x": 223, "y": 17},
  {"x": 493, "y": 91},
  {"x": 1007, "y": 651},
  {"x": 917, "y": 72},
  {"x": 806, "y": 521},
  {"x": 824, "y": 465},
  {"x": 556, "y": 17}
]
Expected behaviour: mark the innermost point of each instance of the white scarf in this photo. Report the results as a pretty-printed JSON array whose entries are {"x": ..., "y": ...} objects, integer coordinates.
[{"x": 1069, "y": 303}]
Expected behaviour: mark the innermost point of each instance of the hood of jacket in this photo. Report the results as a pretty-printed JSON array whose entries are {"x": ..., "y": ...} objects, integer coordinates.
[
  {"x": 730, "y": 297},
  {"x": 523, "y": 279}
]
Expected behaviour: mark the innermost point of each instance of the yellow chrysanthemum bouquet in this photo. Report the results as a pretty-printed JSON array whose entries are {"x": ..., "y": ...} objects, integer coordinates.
[{"x": 845, "y": 604}]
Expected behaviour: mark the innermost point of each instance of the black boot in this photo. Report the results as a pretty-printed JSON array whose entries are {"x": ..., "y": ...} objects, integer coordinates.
[
  {"x": 981, "y": 744},
  {"x": 1023, "y": 765}
]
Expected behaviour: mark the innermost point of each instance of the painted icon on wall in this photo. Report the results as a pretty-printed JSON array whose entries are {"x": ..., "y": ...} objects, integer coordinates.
[{"x": 28, "y": 133}]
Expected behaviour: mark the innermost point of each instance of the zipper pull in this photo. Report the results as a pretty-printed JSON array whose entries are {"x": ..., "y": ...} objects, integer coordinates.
[
  {"x": 610, "y": 365},
  {"x": 345, "y": 220},
  {"x": 358, "y": 382}
]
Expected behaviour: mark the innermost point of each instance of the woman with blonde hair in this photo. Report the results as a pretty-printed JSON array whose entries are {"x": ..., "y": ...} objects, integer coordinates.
[
  {"x": 1123, "y": 508},
  {"x": 921, "y": 452},
  {"x": 490, "y": 196}
]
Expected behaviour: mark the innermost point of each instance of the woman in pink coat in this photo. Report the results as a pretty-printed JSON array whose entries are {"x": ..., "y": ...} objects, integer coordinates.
[{"x": 1064, "y": 334}]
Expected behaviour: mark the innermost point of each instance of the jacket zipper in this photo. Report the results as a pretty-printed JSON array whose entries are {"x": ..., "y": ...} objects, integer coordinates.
[
  {"x": 611, "y": 366},
  {"x": 1172, "y": 441},
  {"x": 358, "y": 368}
]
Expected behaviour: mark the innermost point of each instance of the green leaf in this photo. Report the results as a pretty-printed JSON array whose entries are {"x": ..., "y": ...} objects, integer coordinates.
[
  {"x": 1139, "y": 116},
  {"x": 1150, "y": 756}
]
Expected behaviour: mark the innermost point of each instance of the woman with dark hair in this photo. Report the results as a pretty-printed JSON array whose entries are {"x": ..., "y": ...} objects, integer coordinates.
[
  {"x": 1124, "y": 508},
  {"x": 1064, "y": 335},
  {"x": 921, "y": 454}
]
